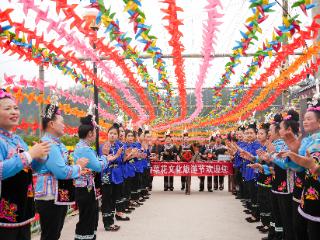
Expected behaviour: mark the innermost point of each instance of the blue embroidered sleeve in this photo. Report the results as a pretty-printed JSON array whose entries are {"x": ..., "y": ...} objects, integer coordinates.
[
  {"x": 96, "y": 164},
  {"x": 287, "y": 163},
  {"x": 10, "y": 167},
  {"x": 57, "y": 166}
]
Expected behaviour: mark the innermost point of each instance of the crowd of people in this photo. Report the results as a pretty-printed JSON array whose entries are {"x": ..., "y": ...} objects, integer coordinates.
[
  {"x": 276, "y": 173},
  {"x": 187, "y": 151},
  {"x": 119, "y": 175}
]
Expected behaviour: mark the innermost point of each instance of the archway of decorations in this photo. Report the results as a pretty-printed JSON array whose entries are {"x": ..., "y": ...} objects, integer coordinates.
[{"x": 153, "y": 100}]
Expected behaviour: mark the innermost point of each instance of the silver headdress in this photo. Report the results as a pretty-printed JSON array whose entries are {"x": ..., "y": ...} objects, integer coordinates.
[
  {"x": 129, "y": 125},
  {"x": 91, "y": 112},
  {"x": 52, "y": 108}
]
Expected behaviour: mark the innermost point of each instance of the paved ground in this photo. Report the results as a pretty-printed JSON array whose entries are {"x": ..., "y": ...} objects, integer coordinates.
[{"x": 173, "y": 215}]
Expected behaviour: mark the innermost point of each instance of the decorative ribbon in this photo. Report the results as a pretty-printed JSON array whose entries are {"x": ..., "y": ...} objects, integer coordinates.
[
  {"x": 141, "y": 30},
  {"x": 208, "y": 39},
  {"x": 177, "y": 48}
]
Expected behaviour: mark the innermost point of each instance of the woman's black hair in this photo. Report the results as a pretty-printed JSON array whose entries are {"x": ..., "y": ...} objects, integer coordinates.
[
  {"x": 241, "y": 128},
  {"x": 86, "y": 126},
  {"x": 146, "y": 132},
  {"x": 277, "y": 119},
  {"x": 252, "y": 126},
  {"x": 130, "y": 131},
  {"x": 50, "y": 114},
  {"x": 315, "y": 108},
  {"x": 115, "y": 126},
  {"x": 292, "y": 121},
  {"x": 212, "y": 139},
  {"x": 140, "y": 132},
  {"x": 265, "y": 127}
]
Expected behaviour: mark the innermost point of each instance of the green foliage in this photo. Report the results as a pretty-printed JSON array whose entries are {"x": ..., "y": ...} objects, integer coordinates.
[
  {"x": 66, "y": 140},
  {"x": 70, "y": 140},
  {"x": 30, "y": 139}
]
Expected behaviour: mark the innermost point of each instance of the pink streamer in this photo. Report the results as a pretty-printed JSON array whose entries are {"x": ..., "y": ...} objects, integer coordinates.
[
  {"x": 39, "y": 84},
  {"x": 208, "y": 39},
  {"x": 81, "y": 47},
  {"x": 23, "y": 82}
]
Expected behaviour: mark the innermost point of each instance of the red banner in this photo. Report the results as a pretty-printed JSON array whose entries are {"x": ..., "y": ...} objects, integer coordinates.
[{"x": 191, "y": 169}]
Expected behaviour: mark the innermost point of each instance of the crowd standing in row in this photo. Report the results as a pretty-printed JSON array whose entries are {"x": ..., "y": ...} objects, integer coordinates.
[
  {"x": 119, "y": 174},
  {"x": 276, "y": 173}
]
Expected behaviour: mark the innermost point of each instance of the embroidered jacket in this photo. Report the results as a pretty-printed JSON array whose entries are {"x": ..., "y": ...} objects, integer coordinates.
[
  {"x": 96, "y": 164},
  {"x": 50, "y": 182},
  {"x": 129, "y": 169},
  {"x": 282, "y": 182},
  {"x": 144, "y": 162},
  {"x": 16, "y": 187},
  {"x": 139, "y": 162},
  {"x": 299, "y": 176},
  {"x": 310, "y": 200},
  {"x": 249, "y": 173},
  {"x": 148, "y": 152},
  {"x": 264, "y": 178},
  {"x": 113, "y": 173},
  {"x": 237, "y": 158}
]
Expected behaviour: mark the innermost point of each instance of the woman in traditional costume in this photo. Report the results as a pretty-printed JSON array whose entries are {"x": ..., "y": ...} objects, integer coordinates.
[
  {"x": 87, "y": 192},
  {"x": 54, "y": 185},
  {"x": 17, "y": 209}
]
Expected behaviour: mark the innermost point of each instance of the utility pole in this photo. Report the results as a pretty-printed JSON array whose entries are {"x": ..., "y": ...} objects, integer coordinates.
[
  {"x": 96, "y": 101},
  {"x": 41, "y": 92},
  {"x": 90, "y": 16}
]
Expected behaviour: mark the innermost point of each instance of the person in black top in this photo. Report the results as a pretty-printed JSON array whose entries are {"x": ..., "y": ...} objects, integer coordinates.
[
  {"x": 154, "y": 156},
  {"x": 219, "y": 149},
  {"x": 168, "y": 153},
  {"x": 207, "y": 154},
  {"x": 186, "y": 153}
]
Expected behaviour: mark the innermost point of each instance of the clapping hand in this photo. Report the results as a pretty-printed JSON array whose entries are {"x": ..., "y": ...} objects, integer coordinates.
[
  {"x": 270, "y": 147},
  {"x": 119, "y": 152},
  {"x": 283, "y": 154},
  {"x": 39, "y": 150},
  {"x": 135, "y": 153},
  {"x": 255, "y": 166},
  {"x": 106, "y": 149},
  {"x": 82, "y": 162},
  {"x": 246, "y": 155},
  {"x": 263, "y": 155}
]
